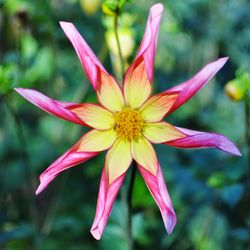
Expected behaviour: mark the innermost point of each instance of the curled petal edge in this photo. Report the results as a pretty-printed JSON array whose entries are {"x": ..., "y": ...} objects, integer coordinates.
[
  {"x": 106, "y": 197},
  {"x": 57, "y": 108},
  {"x": 197, "y": 139},
  {"x": 148, "y": 45},
  {"x": 89, "y": 61},
  {"x": 158, "y": 190},
  {"x": 66, "y": 161},
  {"x": 189, "y": 88}
]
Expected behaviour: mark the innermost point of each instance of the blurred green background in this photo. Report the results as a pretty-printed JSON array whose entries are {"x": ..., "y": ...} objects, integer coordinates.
[{"x": 209, "y": 188}]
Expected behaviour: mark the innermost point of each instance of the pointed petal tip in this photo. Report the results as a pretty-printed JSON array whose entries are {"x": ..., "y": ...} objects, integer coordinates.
[
  {"x": 223, "y": 60},
  {"x": 66, "y": 25},
  {"x": 170, "y": 223},
  {"x": 238, "y": 154},
  {"x": 63, "y": 23},
  {"x": 228, "y": 146},
  {"x": 234, "y": 150},
  {"x": 157, "y": 8},
  {"x": 44, "y": 182},
  {"x": 39, "y": 190},
  {"x": 96, "y": 233},
  {"x": 18, "y": 90},
  {"x": 219, "y": 63},
  {"x": 23, "y": 91},
  {"x": 41, "y": 186}
]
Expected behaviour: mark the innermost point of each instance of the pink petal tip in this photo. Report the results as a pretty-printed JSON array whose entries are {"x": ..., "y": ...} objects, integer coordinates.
[
  {"x": 229, "y": 147},
  {"x": 223, "y": 60},
  {"x": 39, "y": 190},
  {"x": 170, "y": 222},
  {"x": 96, "y": 233},
  {"x": 156, "y": 9}
]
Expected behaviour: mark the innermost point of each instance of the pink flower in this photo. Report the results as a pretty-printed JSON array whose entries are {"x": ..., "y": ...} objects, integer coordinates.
[{"x": 126, "y": 122}]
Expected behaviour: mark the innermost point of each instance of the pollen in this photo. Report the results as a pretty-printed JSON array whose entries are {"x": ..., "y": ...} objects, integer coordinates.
[{"x": 128, "y": 123}]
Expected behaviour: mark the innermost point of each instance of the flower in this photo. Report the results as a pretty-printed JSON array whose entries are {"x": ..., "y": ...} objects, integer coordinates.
[{"x": 126, "y": 122}]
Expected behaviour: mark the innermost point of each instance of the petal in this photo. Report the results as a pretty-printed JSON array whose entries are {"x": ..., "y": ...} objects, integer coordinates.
[
  {"x": 149, "y": 42},
  {"x": 89, "y": 61},
  {"x": 57, "y": 108},
  {"x": 94, "y": 116},
  {"x": 189, "y": 88},
  {"x": 71, "y": 158},
  {"x": 144, "y": 154},
  {"x": 160, "y": 132},
  {"x": 138, "y": 78},
  {"x": 106, "y": 197},
  {"x": 117, "y": 162},
  {"x": 137, "y": 87},
  {"x": 155, "y": 108},
  {"x": 118, "y": 159},
  {"x": 109, "y": 93},
  {"x": 158, "y": 189},
  {"x": 197, "y": 139},
  {"x": 97, "y": 140}
]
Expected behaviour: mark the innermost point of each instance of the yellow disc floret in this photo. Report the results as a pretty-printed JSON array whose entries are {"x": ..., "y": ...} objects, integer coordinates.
[{"x": 128, "y": 123}]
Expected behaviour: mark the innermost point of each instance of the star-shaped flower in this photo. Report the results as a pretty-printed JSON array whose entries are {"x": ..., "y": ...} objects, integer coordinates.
[{"x": 126, "y": 122}]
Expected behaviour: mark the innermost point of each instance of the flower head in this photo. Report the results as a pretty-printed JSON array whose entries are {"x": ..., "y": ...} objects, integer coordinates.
[{"x": 127, "y": 122}]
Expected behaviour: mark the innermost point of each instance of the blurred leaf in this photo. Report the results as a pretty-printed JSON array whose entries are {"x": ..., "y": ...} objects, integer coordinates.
[
  {"x": 139, "y": 229},
  {"x": 116, "y": 229},
  {"x": 67, "y": 222},
  {"x": 142, "y": 197},
  {"x": 109, "y": 7},
  {"x": 12, "y": 232},
  {"x": 232, "y": 194},
  {"x": 43, "y": 67},
  {"x": 14, "y": 6},
  {"x": 217, "y": 180},
  {"x": 29, "y": 46},
  {"x": 16, "y": 171},
  {"x": 8, "y": 77},
  {"x": 241, "y": 233},
  {"x": 207, "y": 230}
]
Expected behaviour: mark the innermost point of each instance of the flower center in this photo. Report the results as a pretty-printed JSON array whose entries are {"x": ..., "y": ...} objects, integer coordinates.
[{"x": 128, "y": 123}]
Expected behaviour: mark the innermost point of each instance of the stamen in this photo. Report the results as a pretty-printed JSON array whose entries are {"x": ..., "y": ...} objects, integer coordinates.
[{"x": 128, "y": 123}]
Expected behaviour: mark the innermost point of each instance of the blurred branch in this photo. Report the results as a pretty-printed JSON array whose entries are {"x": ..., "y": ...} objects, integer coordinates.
[
  {"x": 129, "y": 202},
  {"x": 133, "y": 167},
  {"x": 117, "y": 41}
]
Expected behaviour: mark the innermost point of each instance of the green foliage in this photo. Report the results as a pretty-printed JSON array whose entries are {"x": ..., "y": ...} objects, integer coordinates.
[
  {"x": 209, "y": 189},
  {"x": 42, "y": 67},
  {"x": 212, "y": 230},
  {"x": 8, "y": 77},
  {"x": 111, "y": 7}
]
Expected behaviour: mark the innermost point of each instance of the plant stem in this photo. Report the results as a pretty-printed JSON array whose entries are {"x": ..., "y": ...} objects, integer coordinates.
[
  {"x": 133, "y": 170},
  {"x": 118, "y": 42},
  {"x": 247, "y": 119},
  {"x": 129, "y": 204}
]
